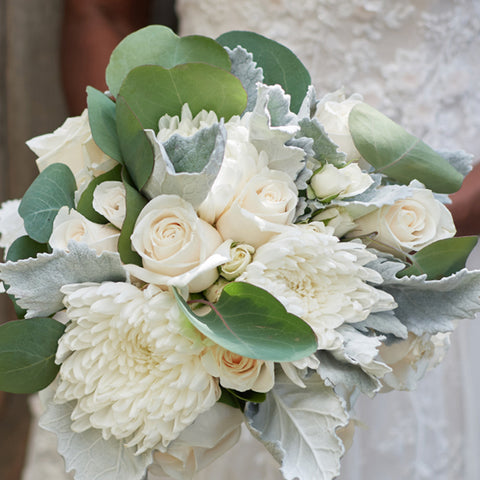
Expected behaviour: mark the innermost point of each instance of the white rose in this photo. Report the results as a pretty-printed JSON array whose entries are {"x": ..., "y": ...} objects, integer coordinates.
[
  {"x": 177, "y": 247},
  {"x": 238, "y": 372},
  {"x": 333, "y": 115},
  {"x": 109, "y": 200},
  {"x": 11, "y": 224},
  {"x": 264, "y": 206},
  {"x": 409, "y": 224},
  {"x": 72, "y": 225},
  {"x": 241, "y": 257},
  {"x": 340, "y": 182},
  {"x": 410, "y": 359},
  {"x": 213, "y": 292},
  {"x": 72, "y": 144},
  {"x": 337, "y": 218},
  {"x": 210, "y": 436}
]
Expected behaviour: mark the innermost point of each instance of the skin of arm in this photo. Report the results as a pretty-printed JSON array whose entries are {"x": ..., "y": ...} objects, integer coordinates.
[
  {"x": 91, "y": 30},
  {"x": 465, "y": 205}
]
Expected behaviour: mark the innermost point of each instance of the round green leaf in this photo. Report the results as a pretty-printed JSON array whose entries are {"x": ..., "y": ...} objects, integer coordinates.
[
  {"x": 135, "y": 202},
  {"x": 136, "y": 148},
  {"x": 248, "y": 321},
  {"x": 101, "y": 117},
  {"x": 401, "y": 156},
  {"x": 441, "y": 259},
  {"x": 158, "y": 45},
  {"x": 25, "y": 247},
  {"x": 152, "y": 91},
  {"x": 27, "y": 354},
  {"x": 50, "y": 191},
  {"x": 280, "y": 65}
]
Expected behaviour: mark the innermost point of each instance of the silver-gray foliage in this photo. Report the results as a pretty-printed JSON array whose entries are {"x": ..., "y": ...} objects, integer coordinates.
[{"x": 36, "y": 282}]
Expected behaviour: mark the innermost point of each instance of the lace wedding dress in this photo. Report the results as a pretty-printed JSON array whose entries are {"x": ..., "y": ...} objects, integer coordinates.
[{"x": 417, "y": 61}]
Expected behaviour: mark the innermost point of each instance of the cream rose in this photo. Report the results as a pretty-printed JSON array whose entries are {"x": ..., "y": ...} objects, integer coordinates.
[
  {"x": 238, "y": 372},
  {"x": 241, "y": 257},
  {"x": 109, "y": 200},
  {"x": 337, "y": 218},
  {"x": 177, "y": 247},
  {"x": 264, "y": 206},
  {"x": 210, "y": 436},
  {"x": 333, "y": 114},
  {"x": 408, "y": 225},
  {"x": 410, "y": 359},
  {"x": 332, "y": 182},
  {"x": 72, "y": 144},
  {"x": 72, "y": 225}
]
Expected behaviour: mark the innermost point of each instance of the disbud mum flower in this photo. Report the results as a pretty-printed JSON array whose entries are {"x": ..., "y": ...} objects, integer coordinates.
[{"x": 126, "y": 364}]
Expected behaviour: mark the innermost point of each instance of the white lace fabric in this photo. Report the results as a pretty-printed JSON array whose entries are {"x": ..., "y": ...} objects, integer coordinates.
[{"x": 418, "y": 62}]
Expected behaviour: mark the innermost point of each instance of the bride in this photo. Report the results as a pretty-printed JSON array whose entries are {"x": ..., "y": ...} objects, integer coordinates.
[{"x": 416, "y": 61}]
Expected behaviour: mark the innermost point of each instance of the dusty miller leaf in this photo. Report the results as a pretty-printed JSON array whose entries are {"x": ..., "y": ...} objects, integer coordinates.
[
  {"x": 87, "y": 453},
  {"x": 246, "y": 70},
  {"x": 459, "y": 160},
  {"x": 187, "y": 166},
  {"x": 384, "y": 323},
  {"x": 36, "y": 282},
  {"x": 271, "y": 126},
  {"x": 298, "y": 427},
  {"x": 430, "y": 306}
]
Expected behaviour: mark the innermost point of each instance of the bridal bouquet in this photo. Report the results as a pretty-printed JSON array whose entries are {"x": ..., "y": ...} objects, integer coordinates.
[{"x": 210, "y": 244}]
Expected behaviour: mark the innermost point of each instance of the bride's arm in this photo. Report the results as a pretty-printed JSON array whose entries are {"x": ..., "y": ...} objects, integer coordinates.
[
  {"x": 91, "y": 30},
  {"x": 465, "y": 205}
]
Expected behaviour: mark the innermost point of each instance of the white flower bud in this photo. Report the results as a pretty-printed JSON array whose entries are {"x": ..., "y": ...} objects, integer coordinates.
[
  {"x": 241, "y": 257},
  {"x": 109, "y": 200}
]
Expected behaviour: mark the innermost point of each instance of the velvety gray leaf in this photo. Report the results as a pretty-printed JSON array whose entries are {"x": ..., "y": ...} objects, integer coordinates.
[
  {"x": 430, "y": 306},
  {"x": 335, "y": 372},
  {"x": 246, "y": 70},
  {"x": 459, "y": 160},
  {"x": 36, "y": 282},
  {"x": 324, "y": 150},
  {"x": 187, "y": 166},
  {"x": 383, "y": 322},
  {"x": 272, "y": 125},
  {"x": 309, "y": 104},
  {"x": 298, "y": 427},
  {"x": 87, "y": 453}
]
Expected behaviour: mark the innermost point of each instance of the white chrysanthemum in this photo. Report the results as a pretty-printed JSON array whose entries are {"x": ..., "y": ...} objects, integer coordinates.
[
  {"x": 11, "y": 223},
  {"x": 319, "y": 279},
  {"x": 126, "y": 363}
]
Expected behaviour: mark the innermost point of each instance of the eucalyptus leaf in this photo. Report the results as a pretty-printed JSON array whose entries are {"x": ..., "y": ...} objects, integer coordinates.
[
  {"x": 27, "y": 354},
  {"x": 249, "y": 321},
  {"x": 398, "y": 154},
  {"x": 50, "y": 191},
  {"x": 279, "y": 64},
  {"x": 85, "y": 204},
  {"x": 101, "y": 116},
  {"x": 135, "y": 202},
  {"x": 136, "y": 147},
  {"x": 24, "y": 247},
  {"x": 158, "y": 45},
  {"x": 152, "y": 91},
  {"x": 459, "y": 160},
  {"x": 36, "y": 282},
  {"x": 441, "y": 258},
  {"x": 88, "y": 453},
  {"x": 298, "y": 427}
]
